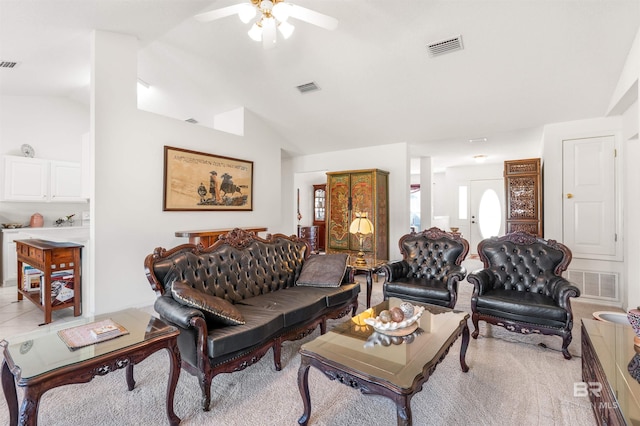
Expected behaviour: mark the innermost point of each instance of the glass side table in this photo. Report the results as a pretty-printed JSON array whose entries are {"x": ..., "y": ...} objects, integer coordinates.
[{"x": 41, "y": 360}]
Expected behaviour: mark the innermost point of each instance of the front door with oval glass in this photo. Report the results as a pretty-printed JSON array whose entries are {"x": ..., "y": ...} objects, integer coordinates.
[{"x": 487, "y": 211}]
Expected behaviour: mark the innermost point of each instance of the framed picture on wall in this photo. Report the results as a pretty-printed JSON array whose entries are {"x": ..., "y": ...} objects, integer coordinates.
[{"x": 199, "y": 181}]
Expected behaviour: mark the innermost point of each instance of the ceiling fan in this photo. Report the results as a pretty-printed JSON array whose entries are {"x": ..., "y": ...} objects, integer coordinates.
[{"x": 272, "y": 17}]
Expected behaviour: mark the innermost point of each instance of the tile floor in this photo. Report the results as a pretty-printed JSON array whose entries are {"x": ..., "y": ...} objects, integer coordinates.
[{"x": 17, "y": 318}]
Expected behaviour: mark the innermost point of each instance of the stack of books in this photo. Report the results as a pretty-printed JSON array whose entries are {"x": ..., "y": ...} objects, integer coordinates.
[
  {"x": 31, "y": 278},
  {"x": 62, "y": 287}
]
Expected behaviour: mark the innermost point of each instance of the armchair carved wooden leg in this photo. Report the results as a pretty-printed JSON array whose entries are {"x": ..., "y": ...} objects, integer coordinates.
[
  {"x": 205, "y": 385},
  {"x": 475, "y": 318},
  {"x": 566, "y": 340}
]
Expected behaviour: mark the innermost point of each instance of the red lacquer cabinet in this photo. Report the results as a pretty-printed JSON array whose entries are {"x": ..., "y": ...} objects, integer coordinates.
[{"x": 354, "y": 191}]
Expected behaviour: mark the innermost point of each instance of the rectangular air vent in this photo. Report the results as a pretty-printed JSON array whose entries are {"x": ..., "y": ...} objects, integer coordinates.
[
  {"x": 441, "y": 47},
  {"x": 7, "y": 64},
  {"x": 595, "y": 284},
  {"x": 308, "y": 87},
  {"x": 191, "y": 120}
]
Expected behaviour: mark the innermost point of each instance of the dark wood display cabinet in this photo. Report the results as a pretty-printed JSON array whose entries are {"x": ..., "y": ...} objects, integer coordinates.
[
  {"x": 319, "y": 213},
  {"x": 523, "y": 192},
  {"x": 358, "y": 191},
  {"x": 309, "y": 233}
]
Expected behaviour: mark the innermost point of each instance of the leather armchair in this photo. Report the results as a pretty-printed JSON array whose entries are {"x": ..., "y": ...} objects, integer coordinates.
[
  {"x": 430, "y": 268},
  {"x": 521, "y": 287}
]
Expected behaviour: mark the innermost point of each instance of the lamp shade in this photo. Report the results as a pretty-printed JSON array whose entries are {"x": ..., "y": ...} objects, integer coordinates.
[{"x": 361, "y": 225}]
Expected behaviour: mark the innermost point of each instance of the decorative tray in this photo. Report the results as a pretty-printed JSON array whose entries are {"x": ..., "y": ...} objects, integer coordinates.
[
  {"x": 402, "y": 328},
  {"x": 11, "y": 225}
]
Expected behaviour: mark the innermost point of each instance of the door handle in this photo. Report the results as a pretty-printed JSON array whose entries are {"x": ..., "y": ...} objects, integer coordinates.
[{"x": 569, "y": 195}]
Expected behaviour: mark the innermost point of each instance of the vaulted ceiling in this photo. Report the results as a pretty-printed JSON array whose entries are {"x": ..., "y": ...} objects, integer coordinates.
[{"x": 524, "y": 64}]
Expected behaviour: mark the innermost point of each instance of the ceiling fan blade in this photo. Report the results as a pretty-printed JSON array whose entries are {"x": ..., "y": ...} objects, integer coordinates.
[
  {"x": 268, "y": 33},
  {"x": 311, "y": 16},
  {"x": 212, "y": 15}
]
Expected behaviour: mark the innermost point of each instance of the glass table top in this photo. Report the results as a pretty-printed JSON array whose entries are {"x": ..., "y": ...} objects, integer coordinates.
[
  {"x": 394, "y": 359},
  {"x": 43, "y": 351},
  {"x": 620, "y": 360}
]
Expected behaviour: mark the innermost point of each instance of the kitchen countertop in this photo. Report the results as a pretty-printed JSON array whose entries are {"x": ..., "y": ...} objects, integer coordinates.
[{"x": 42, "y": 228}]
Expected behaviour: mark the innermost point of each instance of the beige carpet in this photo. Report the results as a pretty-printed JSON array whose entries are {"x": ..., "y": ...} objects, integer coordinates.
[{"x": 511, "y": 381}]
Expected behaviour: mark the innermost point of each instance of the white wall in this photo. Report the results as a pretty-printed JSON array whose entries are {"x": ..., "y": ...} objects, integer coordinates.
[
  {"x": 127, "y": 217},
  {"x": 53, "y": 126},
  {"x": 393, "y": 158},
  {"x": 625, "y": 101}
]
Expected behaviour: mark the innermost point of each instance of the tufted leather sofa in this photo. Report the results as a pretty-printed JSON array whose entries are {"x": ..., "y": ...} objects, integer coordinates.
[
  {"x": 521, "y": 286},
  {"x": 430, "y": 268},
  {"x": 258, "y": 276}
]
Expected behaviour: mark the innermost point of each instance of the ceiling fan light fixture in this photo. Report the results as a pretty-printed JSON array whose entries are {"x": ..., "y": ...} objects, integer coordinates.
[
  {"x": 272, "y": 16},
  {"x": 268, "y": 32},
  {"x": 246, "y": 13},
  {"x": 286, "y": 29},
  {"x": 255, "y": 33},
  {"x": 281, "y": 11}
]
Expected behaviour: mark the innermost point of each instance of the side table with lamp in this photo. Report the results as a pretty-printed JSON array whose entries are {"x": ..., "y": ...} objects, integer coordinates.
[{"x": 361, "y": 227}]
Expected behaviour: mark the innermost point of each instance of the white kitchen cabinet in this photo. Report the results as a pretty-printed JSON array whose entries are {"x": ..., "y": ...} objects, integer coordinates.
[
  {"x": 66, "y": 181},
  {"x": 26, "y": 179},
  {"x": 9, "y": 256},
  {"x": 35, "y": 179}
]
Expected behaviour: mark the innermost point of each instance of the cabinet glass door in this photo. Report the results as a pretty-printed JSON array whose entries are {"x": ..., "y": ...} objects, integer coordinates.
[{"x": 319, "y": 205}]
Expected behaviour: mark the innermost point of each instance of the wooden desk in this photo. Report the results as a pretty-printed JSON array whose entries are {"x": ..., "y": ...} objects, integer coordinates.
[
  {"x": 210, "y": 236},
  {"x": 49, "y": 257}
]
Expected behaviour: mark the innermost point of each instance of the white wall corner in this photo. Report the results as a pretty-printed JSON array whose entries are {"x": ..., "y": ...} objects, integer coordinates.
[
  {"x": 626, "y": 92},
  {"x": 230, "y": 121}
]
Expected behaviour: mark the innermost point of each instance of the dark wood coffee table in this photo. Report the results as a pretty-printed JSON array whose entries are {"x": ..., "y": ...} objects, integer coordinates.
[
  {"x": 40, "y": 361},
  {"x": 396, "y": 368}
]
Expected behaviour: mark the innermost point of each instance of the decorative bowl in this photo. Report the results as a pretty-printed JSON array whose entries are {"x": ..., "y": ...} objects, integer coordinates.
[
  {"x": 383, "y": 327},
  {"x": 634, "y": 319},
  {"x": 11, "y": 225}
]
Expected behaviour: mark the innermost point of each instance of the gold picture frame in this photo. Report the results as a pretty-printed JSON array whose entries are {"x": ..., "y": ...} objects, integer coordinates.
[{"x": 199, "y": 181}]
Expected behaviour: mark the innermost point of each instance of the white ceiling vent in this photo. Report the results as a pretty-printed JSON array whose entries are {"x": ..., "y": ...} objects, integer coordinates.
[
  {"x": 191, "y": 120},
  {"x": 308, "y": 87},
  {"x": 441, "y": 47},
  {"x": 7, "y": 64}
]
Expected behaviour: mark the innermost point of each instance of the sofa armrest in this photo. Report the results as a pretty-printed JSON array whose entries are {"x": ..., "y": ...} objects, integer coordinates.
[
  {"x": 561, "y": 290},
  {"x": 394, "y": 270},
  {"x": 454, "y": 275},
  {"x": 482, "y": 280},
  {"x": 176, "y": 313},
  {"x": 349, "y": 276}
]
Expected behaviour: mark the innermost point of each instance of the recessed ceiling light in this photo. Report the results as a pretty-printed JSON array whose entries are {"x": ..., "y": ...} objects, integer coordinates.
[
  {"x": 478, "y": 140},
  {"x": 480, "y": 158}
]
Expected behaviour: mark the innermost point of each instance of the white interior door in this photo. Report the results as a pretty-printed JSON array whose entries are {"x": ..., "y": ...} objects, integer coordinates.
[
  {"x": 589, "y": 209},
  {"x": 486, "y": 211}
]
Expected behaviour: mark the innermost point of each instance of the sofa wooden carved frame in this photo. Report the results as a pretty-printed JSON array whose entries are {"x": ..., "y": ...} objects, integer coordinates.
[{"x": 207, "y": 368}]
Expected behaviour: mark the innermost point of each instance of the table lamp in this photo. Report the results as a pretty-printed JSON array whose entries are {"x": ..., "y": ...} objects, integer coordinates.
[{"x": 360, "y": 227}]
